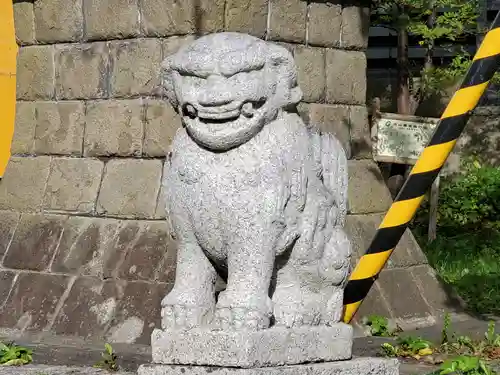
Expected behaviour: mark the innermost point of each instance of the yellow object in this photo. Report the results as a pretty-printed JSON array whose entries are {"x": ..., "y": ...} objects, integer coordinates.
[
  {"x": 452, "y": 122},
  {"x": 8, "y": 54}
]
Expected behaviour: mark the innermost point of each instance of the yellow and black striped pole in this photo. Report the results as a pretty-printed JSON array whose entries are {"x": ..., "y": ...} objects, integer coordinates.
[{"x": 485, "y": 63}]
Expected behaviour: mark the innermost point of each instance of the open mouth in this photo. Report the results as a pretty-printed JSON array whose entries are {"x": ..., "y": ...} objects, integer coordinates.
[{"x": 221, "y": 114}]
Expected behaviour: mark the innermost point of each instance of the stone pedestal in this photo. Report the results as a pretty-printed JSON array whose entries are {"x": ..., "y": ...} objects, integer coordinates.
[
  {"x": 276, "y": 351},
  {"x": 359, "y": 366},
  {"x": 270, "y": 347}
]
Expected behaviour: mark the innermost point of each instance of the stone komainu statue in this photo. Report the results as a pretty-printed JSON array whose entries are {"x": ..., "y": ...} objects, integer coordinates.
[{"x": 253, "y": 194}]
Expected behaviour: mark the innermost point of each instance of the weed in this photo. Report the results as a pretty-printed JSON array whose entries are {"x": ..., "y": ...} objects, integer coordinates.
[
  {"x": 465, "y": 365},
  {"x": 379, "y": 326},
  {"x": 492, "y": 338},
  {"x": 108, "y": 360},
  {"x": 445, "y": 337},
  {"x": 414, "y": 347},
  {"x": 13, "y": 355}
]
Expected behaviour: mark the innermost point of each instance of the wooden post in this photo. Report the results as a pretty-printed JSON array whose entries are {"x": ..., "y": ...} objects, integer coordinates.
[{"x": 433, "y": 206}]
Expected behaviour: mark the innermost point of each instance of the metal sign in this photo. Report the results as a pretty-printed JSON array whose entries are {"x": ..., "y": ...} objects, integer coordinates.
[{"x": 400, "y": 139}]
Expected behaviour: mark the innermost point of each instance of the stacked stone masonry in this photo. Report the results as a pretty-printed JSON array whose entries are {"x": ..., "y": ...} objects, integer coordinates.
[{"x": 84, "y": 245}]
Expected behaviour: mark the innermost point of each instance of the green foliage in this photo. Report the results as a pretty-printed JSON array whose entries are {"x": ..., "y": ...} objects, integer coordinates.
[
  {"x": 456, "y": 23},
  {"x": 379, "y": 326},
  {"x": 445, "y": 335},
  {"x": 472, "y": 199},
  {"x": 466, "y": 365},
  {"x": 13, "y": 355},
  {"x": 108, "y": 360},
  {"x": 467, "y": 248},
  {"x": 492, "y": 338},
  {"x": 409, "y": 346}
]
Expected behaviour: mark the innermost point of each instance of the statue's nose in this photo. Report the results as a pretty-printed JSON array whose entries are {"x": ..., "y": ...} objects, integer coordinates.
[{"x": 216, "y": 92}]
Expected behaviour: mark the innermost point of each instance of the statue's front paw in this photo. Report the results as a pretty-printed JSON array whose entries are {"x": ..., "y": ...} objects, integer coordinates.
[
  {"x": 185, "y": 317},
  {"x": 241, "y": 318},
  {"x": 180, "y": 312},
  {"x": 288, "y": 316},
  {"x": 234, "y": 311}
]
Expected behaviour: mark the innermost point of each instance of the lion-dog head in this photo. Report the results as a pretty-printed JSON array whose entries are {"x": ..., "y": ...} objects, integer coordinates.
[{"x": 228, "y": 86}]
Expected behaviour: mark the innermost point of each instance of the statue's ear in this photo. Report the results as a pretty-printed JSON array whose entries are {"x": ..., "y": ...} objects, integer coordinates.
[
  {"x": 287, "y": 91},
  {"x": 168, "y": 81}
]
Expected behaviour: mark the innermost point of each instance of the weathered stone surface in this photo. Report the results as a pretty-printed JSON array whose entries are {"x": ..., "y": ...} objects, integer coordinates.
[
  {"x": 23, "y": 183},
  {"x": 162, "y": 122},
  {"x": 333, "y": 119},
  {"x": 161, "y": 212},
  {"x": 209, "y": 16},
  {"x": 345, "y": 77},
  {"x": 239, "y": 141},
  {"x": 362, "y": 229},
  {"x": 303, "y": 111},
  {"x": 35, "y": 73},
  {"x": 24, "y": 22},
  {"x": 130, "y": 188},
  {"x": 73, "y": 184},
  {"x": 145, "y": 256},
  {"x": 270, "y": 347},
  {"x": 138, "y": 313},
  {"x": 59, "y": 127},
  {"x": 33, "y": 301},
  {"x": 325, "y": 20},
  {"x": 434, "y": 290},
  {"x": 171, "y": 17},
  {"x": 288, "y": 20},
  {"x": 247, "y": 16},
  {"x": 111, "y": 19},
  {"x": 373, "y": 304},
  {"x": 8, "y": 224},
  {"x": 372, "y": 366},
  {"x": 58, "y": 20},
  {"x": 171, "y": 45},
  {"x": 35, "y": 241},
  {"x": 402, "y": 294},
  {"x": 165, "y": 272},
  {"x": 89, "y": 308},
  {"x": 361, "y": 145},
  {"x": 135, "y": 67},
  {"x": 168, "y": 17},
  {"x": 90, "y": 246},
  {"x": 6, "y": 279},
  {"x": 81, "y": 71},
  {"x": 355, "y": 27},
  {"x": 24, "y": 129},
  {"x": 311, "y": 70},
  {"x": 367, "y": 190},
  {"x": 114, "y": 128}
]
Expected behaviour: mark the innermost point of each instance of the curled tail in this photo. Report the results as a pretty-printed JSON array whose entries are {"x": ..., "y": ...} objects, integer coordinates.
[{"x": 331, "y": 164}]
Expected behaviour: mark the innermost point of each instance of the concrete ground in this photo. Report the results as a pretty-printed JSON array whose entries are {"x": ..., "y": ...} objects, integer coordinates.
[{"x": 65, "y": 370}]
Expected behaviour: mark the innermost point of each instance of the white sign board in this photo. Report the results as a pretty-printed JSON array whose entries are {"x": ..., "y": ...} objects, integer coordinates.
[{"x": 400, "y": 139}]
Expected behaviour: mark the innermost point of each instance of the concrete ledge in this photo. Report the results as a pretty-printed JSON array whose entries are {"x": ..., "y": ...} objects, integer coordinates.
[
  {"x": 361, "y": 366},
  {"x": 55, "y": 370},
  {"x": 270, "y": 347}
]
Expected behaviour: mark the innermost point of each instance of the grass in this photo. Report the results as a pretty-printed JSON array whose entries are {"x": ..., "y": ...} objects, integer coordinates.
[
  {"x": 460, "y": 355},
  {"x": 470, "y": 263}
]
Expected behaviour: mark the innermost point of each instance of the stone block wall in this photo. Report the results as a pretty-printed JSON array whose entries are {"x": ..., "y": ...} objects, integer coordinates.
[{"x": 83, "y": 243}]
